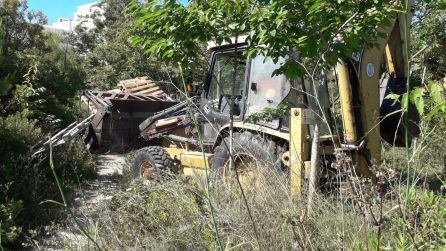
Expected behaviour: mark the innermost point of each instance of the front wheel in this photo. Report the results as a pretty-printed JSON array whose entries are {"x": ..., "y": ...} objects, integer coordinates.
[
  {"x": 254, "y": 157},
  {"x": 152, "y": 162}
]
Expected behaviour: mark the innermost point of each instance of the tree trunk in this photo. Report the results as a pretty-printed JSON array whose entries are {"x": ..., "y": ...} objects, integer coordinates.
[{"x": 314, "y": 169}]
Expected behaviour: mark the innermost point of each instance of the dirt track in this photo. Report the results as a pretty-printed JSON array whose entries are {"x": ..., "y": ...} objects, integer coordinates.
[{"x": 65, "y": 235}]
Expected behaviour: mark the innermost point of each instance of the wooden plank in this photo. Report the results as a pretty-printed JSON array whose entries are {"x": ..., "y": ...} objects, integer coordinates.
[
  {"x": 158, "y": 93},
  {"x": 136, "y": 83},
  {"x": 145, "y": 92},
  {"x": 148, "y": 91},
  {"x": 142, "y": 87}
]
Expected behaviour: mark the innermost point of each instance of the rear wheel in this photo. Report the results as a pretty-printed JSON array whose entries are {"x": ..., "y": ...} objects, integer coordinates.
[
  {"x": 254, "y": 159},
  {"x": 152, "y": 162}
]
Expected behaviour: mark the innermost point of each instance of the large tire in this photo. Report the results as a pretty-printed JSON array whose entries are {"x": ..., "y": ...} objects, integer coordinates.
[
  {"x": 261, "y": 149},
  {"x": 152, "y": 162}
]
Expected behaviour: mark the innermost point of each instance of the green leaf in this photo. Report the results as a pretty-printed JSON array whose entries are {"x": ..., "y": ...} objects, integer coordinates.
[
  {"x": 242, "y": 27},
  {"x": 436, "y": 92},
  {"x": 437, "y": 109},
  {"x": 405, "y": 102},
  {"x": 135, "y": 40},
  {"x": 273, "y": 33},
  {"x": 416, "y": 97},
  {"x": 302, "y": 39},
  {"x": 315, "y": 6},
  {"x": 394, "y": 97},
  {"x": 419, "y": 104},
  {"x": 219, "y": 40}
]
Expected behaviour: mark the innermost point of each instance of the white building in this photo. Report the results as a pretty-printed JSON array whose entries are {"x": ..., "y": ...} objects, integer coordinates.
[{"x": 80, "y": 16}]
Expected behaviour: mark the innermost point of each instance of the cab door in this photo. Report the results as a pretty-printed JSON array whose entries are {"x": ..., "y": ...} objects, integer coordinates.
[
  {"x": 265, "y": 90},
  {"x": 218, "y": 95}
]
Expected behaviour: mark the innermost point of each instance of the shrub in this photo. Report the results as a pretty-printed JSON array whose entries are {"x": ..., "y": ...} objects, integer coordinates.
[
  {"x": 25, "y": 182},
  {"x": 426, "y": 220},
  {"x": 9, "y": 231}
]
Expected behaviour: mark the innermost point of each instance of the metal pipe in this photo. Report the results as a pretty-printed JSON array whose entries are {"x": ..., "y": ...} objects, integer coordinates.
[
  {"x": 182, "y": 139},
  {"x": 146, "y": 123}
]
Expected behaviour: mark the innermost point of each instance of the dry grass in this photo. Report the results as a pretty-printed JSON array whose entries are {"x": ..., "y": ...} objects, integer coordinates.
[{"x": 175, "y": 214}]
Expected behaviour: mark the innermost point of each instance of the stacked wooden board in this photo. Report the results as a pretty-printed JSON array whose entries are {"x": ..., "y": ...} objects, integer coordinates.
[{"x": 141, "y": 86}]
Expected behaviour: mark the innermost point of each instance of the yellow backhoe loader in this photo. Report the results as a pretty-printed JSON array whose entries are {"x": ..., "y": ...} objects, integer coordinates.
[
  {"x": 349, "y": 101},
  {"x": 218, "y": 129}
]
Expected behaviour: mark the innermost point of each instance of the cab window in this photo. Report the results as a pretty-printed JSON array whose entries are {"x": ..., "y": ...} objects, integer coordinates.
[{"x": 220, "y": 88}]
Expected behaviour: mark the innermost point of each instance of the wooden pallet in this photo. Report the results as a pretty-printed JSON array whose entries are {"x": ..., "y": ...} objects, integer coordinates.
[
  {"x": 100, "y": 100},
  {"x": 141, "y": 86}
]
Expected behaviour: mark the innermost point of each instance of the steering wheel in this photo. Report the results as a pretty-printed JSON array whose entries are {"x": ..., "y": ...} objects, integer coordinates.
[{"x": 225, "y": 102}]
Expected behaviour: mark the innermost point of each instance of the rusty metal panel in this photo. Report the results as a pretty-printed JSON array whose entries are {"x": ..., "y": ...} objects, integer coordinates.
[{"x": 118, "y": 115}]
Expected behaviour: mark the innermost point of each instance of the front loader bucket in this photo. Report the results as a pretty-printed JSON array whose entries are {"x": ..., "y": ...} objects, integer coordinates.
[
  {"x": 117, "y": 129},
  {"x": 394, "y": 123},
  {"x": 114, "y": 126}
]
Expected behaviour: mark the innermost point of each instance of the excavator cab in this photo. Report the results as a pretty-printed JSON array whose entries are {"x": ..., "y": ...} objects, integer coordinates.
[{"x": 256, "y": 88}]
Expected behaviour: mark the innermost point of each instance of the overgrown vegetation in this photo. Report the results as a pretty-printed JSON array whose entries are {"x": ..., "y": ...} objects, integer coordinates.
[
  {"x": 39, "y": 82},
  {"x": 173, "y": 214},
  {"x": 26, "y": 182},
  {"x": 42, "y": 73}
]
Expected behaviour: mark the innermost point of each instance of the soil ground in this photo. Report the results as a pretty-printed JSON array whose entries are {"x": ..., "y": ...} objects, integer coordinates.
[{"x": 65, "y": 235}]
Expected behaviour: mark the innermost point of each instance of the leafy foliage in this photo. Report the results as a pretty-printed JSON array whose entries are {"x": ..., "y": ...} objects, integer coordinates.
[
  {"x": 38, "y": 81},
  {"x": 26, "y": 182},
  {"x": 41, "y": 73},
  {"x": 5, "y": 81},
  {"x": 429, "y": 39},
  {"x": 319, "y": 32},
  {"x": 432, "y": 96},
  {"x": 38, "y": 61},
  {"x": 9, "y": 231},
  {"x": 269, "y": 114},
  {"x": 106, "y": 49}
]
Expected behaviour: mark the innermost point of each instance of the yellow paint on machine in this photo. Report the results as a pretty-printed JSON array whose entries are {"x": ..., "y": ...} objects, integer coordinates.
[
  {"x": 299, "y": 149},
  {"x": 192, "y": 162}
]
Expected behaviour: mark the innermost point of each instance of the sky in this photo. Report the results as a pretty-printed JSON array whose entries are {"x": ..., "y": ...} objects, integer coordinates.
[{"x": 55, "y": 9}]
